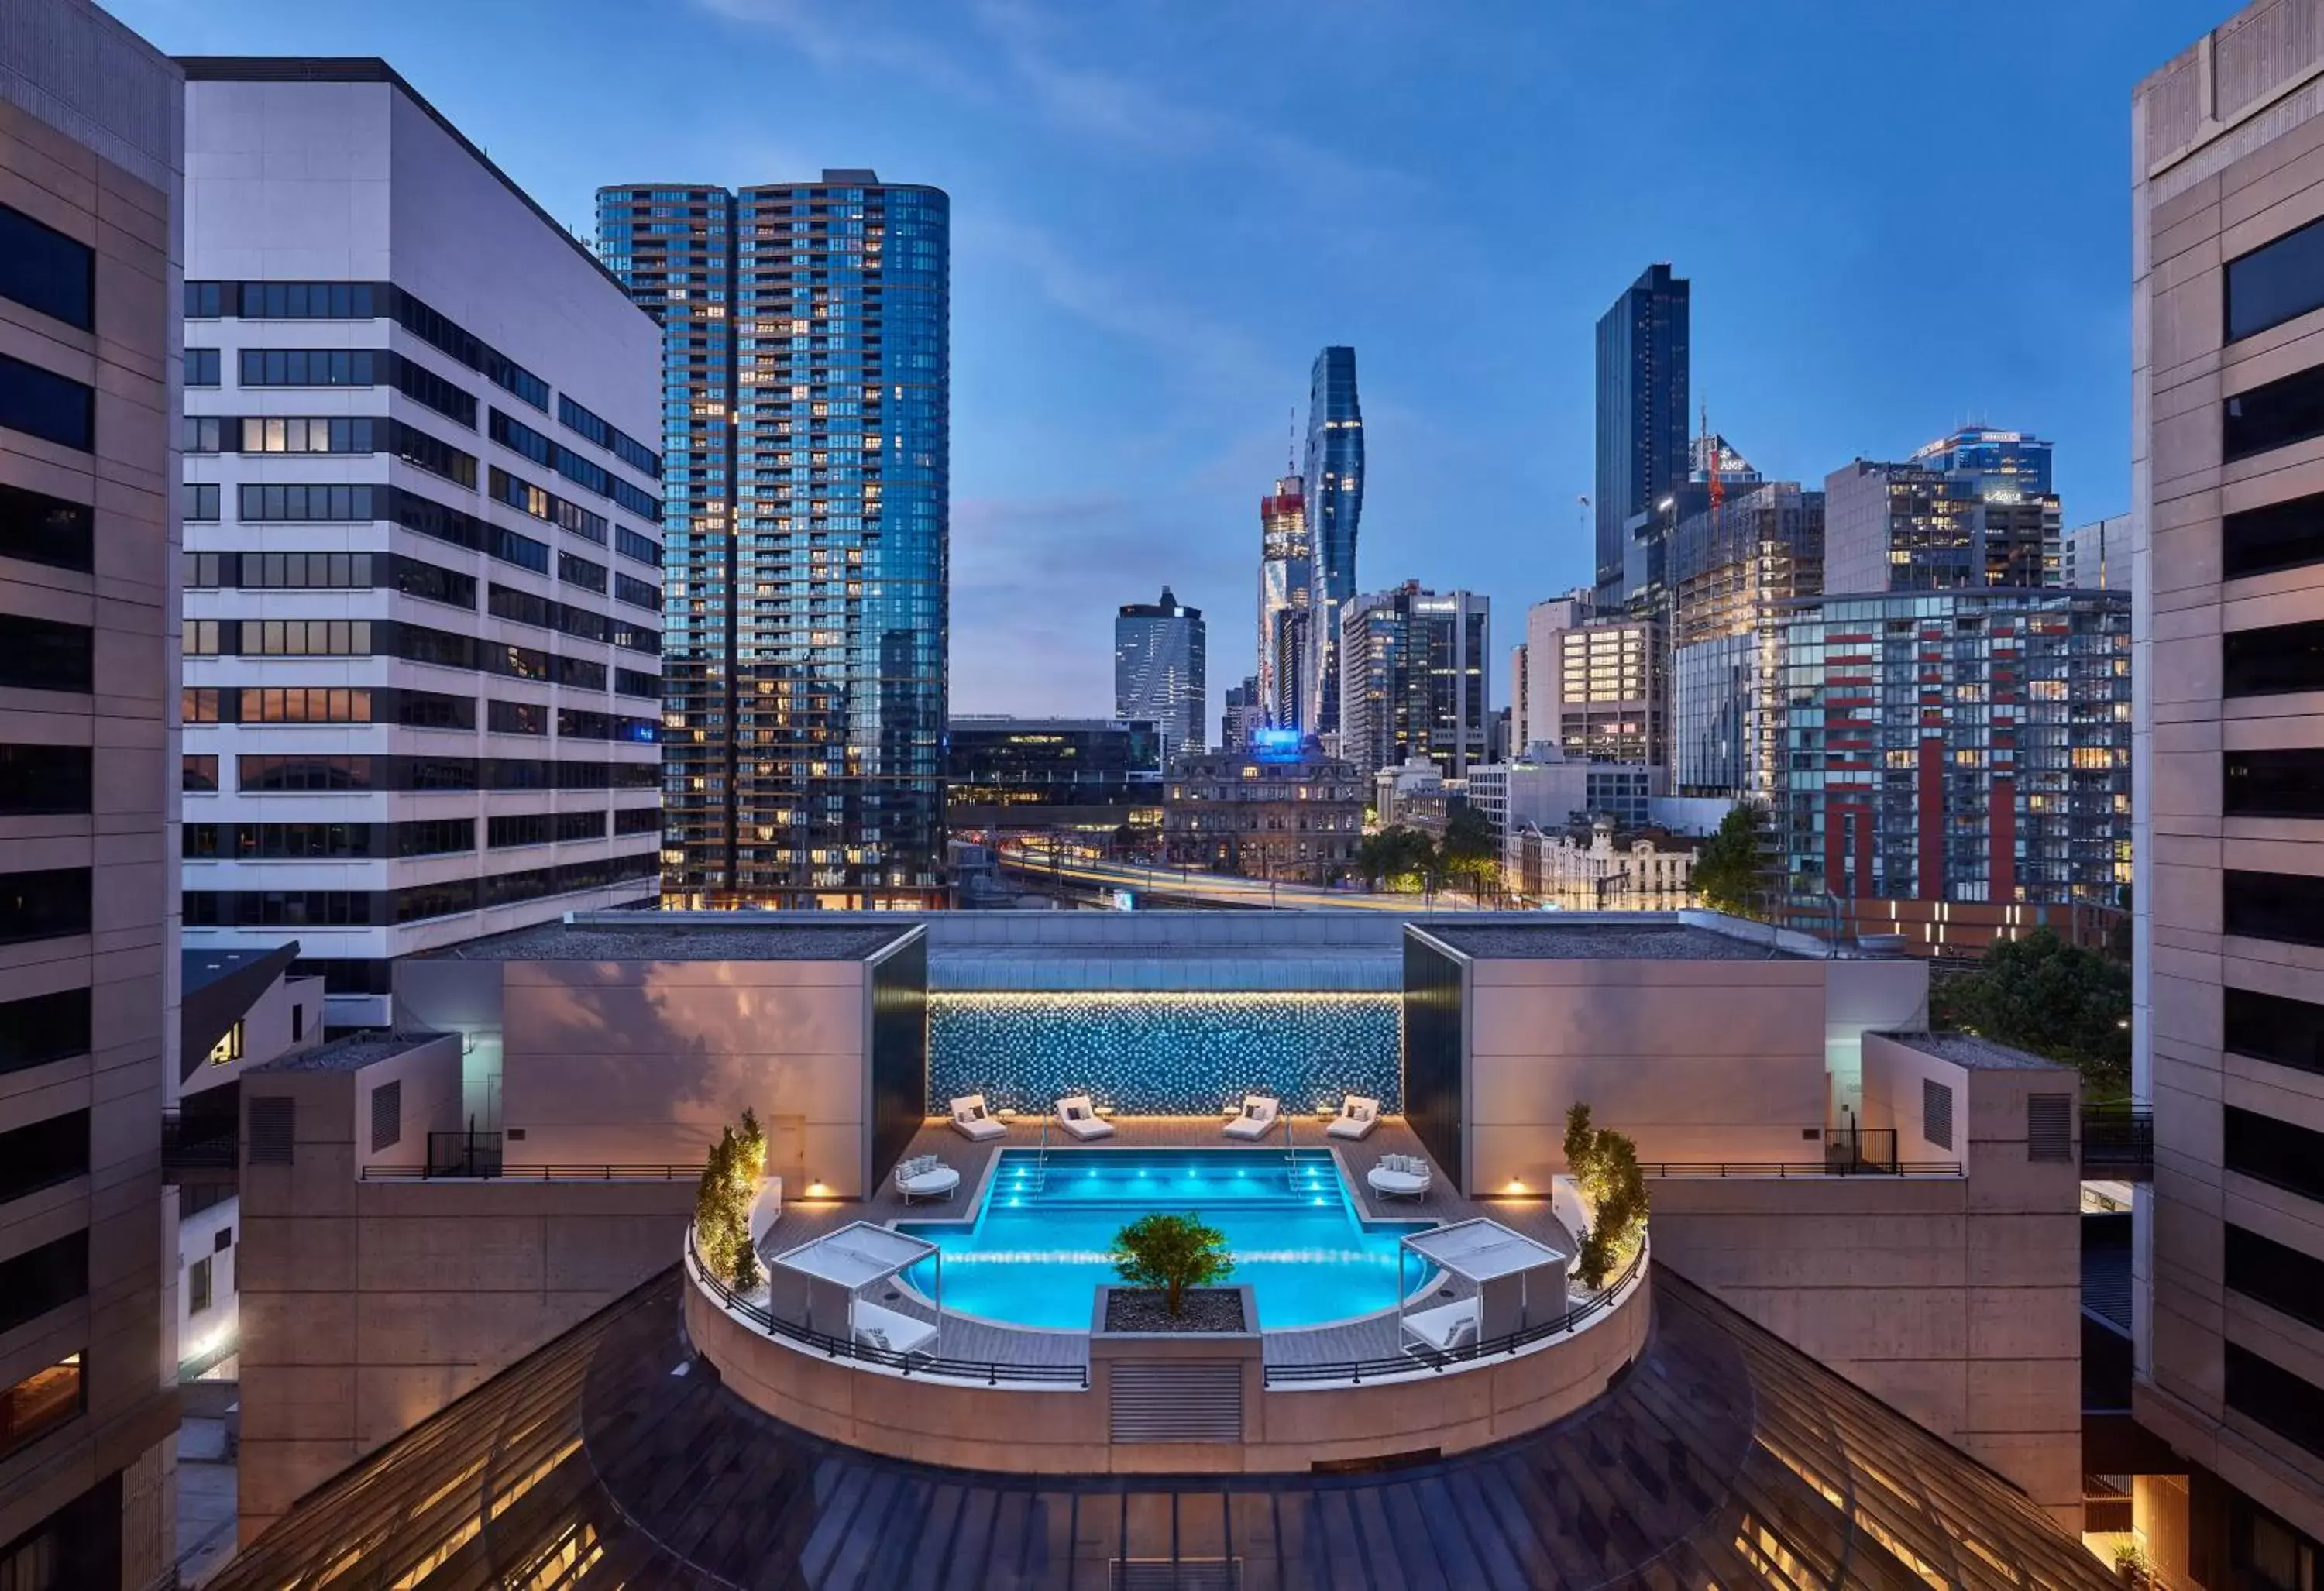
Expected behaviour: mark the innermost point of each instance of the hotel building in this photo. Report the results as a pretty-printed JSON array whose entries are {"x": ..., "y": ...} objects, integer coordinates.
[
  {"x": 90, "y": 169},
  {"x": 421, "y": 638},
  {"x": 806, "y": 428}
]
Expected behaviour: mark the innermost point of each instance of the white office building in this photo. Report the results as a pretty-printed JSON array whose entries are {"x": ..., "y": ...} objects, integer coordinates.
[{"x": 423, "y": 546}]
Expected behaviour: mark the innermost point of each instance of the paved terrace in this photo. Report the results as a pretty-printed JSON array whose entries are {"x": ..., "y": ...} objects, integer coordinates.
[{"x": 965, "y": 1337}]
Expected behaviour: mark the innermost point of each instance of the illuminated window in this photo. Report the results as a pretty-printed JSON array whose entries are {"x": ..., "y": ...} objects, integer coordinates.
[{"x": 228, "y": 1047}]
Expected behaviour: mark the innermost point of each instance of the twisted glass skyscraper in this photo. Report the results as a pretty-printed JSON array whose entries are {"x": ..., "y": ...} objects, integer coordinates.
[
  {"x": 805, "y": 429},
  {"x": 1335, "y": 506}
]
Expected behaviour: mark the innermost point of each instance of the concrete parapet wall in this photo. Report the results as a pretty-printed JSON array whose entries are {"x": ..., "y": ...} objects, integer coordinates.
[{"x": 1063, "y": 1431}]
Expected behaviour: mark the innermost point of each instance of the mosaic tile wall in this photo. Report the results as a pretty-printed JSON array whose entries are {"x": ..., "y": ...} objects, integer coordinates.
[{"x": 1164, "y": 1054}]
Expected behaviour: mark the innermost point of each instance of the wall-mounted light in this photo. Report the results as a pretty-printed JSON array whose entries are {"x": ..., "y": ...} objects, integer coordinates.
[
  {"x": 817, "y": 1189},
  {"x": 1517, "y": 1185}
]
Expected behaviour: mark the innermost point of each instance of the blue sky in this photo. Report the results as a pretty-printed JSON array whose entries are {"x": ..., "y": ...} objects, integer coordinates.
[{"x": 1894, "y": 217}]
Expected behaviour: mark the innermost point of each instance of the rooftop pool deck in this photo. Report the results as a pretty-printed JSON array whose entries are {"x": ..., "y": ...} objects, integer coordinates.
[{"x": 1351, "y": 1336}]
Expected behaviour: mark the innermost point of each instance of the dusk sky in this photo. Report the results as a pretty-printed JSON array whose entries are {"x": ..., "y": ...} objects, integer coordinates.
[{"x": 1895, "y": 218}]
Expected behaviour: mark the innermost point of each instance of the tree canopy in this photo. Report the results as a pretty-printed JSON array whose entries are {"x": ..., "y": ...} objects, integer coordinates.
[
  {"x": 1469, "y": 850},
  {"x": 2052, "y": 998},
  {"x": 1727, "y": 868},
  {"x": 1396, "y": 856},
  {"x": 1172, "y": 1252}
]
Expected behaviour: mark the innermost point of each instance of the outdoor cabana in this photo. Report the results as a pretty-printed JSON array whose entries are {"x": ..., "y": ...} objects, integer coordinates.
[
  {"x": 1519, "y": 1282},
  {"x": 821, "y": 1286}
]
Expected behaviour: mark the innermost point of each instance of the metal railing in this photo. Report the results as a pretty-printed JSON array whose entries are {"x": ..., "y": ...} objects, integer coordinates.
[
  {"x": 1442, "y": 1359},
  {"x": 1804, "y": 1169},
  {"x": 207, "y": 1143},
  {"x": 2118, "y": 1143},
  {"x": 993, "y": 1373},
  {"x": 531, "y": 1174}
]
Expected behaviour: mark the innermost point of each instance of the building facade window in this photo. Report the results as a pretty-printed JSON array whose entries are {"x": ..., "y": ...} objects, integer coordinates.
[
  {"x": 2276, "y": 782},
  {"x": 2274, "y": 659},
  {"x": 42, "y": 1153},
  {"x": 46, "y": 902},
  {"x": 2277, "y": 414},
  {"x": 2285, "y": 908},
  {"x": 38, "y": 781},
  {"x": 42, "y": 269},
  {"x": 2288, "y": 1404},
  {"x": 42, "y": 1279},
  {"x": 2273, "y": 1027},
  {"x": 48, "y": 1398},
  {"x": 2280, "y": 535},
  {"x": 43, "y": 404},
  {"x": 39, "y": 528},
  {"x": 2281, "y": 1153},
  {"x": 2280, "y": 280},
  {"x": 42, "y": 1028}
]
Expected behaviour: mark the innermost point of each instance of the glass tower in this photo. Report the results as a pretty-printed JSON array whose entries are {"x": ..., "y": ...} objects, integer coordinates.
[
  {"x": 806, "y": 412},
  {"x": 1336, "y": 507},
  {"x": 1159, "y": 670},
  {"x": 1642, "y": 448},
  {"x": 1286, "y": 577}
]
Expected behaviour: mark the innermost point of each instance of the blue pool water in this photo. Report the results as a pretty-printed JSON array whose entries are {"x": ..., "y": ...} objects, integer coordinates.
[{"x": 1039, "y": 1246}]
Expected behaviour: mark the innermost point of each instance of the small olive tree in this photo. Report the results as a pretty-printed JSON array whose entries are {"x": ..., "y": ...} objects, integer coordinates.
[
  {"x": 722, "y": 1203},
  {"x": 1173, "y": 1253},
  {"x": 1605, "y": 1162}
]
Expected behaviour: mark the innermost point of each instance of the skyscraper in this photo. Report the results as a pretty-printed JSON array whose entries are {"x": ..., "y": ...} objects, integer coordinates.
[
  {"x": 1971, "y": 509},
  {"x": 806, "y": 402},
  {"x": 1335, "y": 509},
  {"x": 1413, "y": 679},
  {"x": 1642, "y": 448},
  {"x": 1287, "y": 574},
  {"x": 423, "y": 575},
  {"x": 90, "y": 209},
  {"x": 1245, "y": 711},
  {"x": 1158, "y": 670}
]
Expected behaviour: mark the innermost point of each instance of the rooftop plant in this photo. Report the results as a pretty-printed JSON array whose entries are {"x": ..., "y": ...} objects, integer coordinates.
[
  {"x": 1605, "y": 1162},
  {"x": 1171, "y": 1251},
  {"x": 722, "y": 1203}
]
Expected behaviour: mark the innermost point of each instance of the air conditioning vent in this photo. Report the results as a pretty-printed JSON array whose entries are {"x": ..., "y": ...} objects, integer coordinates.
[
  {"x": 272, "y": 1126},
  {"x": 1937, "y": 1113},
  {"x": 1184, "y": 1403},
  {"x": 2049, "y": 1126},
  {"x": 386, "y": 1115}
]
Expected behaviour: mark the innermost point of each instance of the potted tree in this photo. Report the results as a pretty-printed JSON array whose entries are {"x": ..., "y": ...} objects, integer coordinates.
[
  {"x": 723, "y": 1202},
  {"x": 1604, "y": 1165},
  {"x": 1172, "y": 1254}
]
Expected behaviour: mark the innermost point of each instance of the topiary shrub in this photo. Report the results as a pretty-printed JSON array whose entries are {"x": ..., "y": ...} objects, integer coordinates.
[
  {"x": 722, "y": 1204},
  {"x": 1172, "y": 1252},
  {"x": 1605, "y": 1163}
]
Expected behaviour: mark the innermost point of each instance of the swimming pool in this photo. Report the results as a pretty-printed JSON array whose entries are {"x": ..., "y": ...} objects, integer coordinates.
[{"x": 1039, "y": 1246}]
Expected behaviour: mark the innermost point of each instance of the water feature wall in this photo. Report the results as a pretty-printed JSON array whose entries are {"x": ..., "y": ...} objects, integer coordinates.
[{"x": 1163, "y": 1054}]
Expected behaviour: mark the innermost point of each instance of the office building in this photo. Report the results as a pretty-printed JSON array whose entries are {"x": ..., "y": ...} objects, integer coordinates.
[
  {"x": 1643, "y": 447},
  {"x": 2226, "y": 572},
  {"x": 1004, "y": 772},
  {"x": 1280, "y": 808},
  {"x": 1286, "y": 581},
  {"x": 421, "y": 635},
  {"x": 1964, "y": 746},
  {"x": 1533, "y": 686},
  {"x": 1963, "y": 511},
  {"x": 1728, "y": 563},
  {"x": 1336, "y": 511},
  {"x": 1413, "y": 679},
  {"x": 2096, "y": 557},
  {"x": 805, "y": 435},
  {"x": 1543, "y": 789},
  {"x": 1245, "y": 711},
  {"x": 1613, "y": 693},
  {"x": 90, "y": 198},
  {"x": 1159, "y": 672}
]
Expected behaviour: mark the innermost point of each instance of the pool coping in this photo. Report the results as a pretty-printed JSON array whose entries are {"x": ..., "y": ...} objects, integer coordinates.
[{"x": 975, "y": 1208}]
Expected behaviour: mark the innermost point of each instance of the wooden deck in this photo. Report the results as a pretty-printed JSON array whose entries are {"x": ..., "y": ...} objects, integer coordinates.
[{"x": 971, "y": 1338}]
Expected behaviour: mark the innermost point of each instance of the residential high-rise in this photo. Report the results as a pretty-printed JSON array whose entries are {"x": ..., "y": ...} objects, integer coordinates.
[
  {"x": 805, "y": 394},
  {"x": 1287, "y": 579},
  {"x": 90, "y": 125},
  {"x": 1728, "y": 566},
  {"x": 423, "y": 567},
  {"x": 1246, "y": 710},
  {"x": 1413, "y": 679},
  {"x": 1336, "y": 511},
  {"x": 1159, "y": 671},
  {"x": 1643, "y": 447},
  {"x": 1964, "y": 746},
  {"x": 2226, "y": 575},
  {"x": 1972, "y": 509}
]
